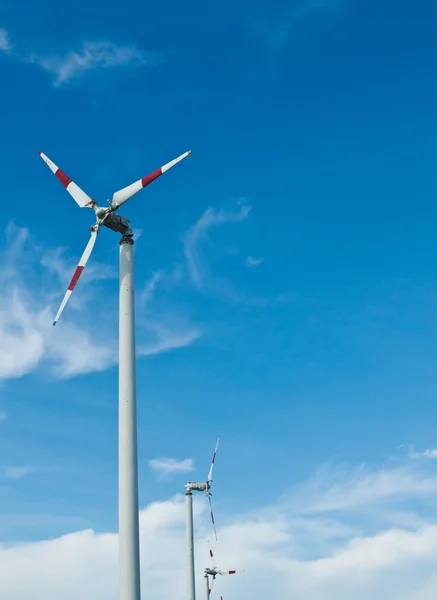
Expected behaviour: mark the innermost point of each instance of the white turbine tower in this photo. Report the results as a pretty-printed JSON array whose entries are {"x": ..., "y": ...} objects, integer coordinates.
[
  {"x": 212, "y": 572},
  {"x": 196, "y": 487},
  {"x": 128, "y": 526}
]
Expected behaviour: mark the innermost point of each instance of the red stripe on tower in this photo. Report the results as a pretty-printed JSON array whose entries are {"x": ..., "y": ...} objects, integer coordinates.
[
  {"x": 149, "y": 178},
  {"x": 77, "y": 274},
  {"x": 63, "y": 178}
]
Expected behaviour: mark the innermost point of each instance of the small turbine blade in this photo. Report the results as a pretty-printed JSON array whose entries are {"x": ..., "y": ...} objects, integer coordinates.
[
  {"x": 209, "y": 478},
  {"x": 211, "y": 556},
  {"x": 78, "y": 272},
  {"x": 74, "y": 190},
  {"x": 212, "y": 516},
  {"x": 124, "y": 194}
]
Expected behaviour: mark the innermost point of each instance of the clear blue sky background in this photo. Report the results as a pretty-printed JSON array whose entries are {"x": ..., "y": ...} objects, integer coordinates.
[{"x": 321, "y": 115}]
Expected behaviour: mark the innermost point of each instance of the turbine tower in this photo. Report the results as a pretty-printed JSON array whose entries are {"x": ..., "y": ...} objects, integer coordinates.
[
  {"x": 191, "y": 486},
  {"x": 128, "y": 525}
]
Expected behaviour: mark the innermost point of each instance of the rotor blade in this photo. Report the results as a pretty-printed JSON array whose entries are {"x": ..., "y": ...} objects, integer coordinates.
[
  {"x": 124, "y": 194},
  {"x": 209, "y": 478},
  {"x": 229, "y": 572},
  {"x": 211, "y": 556},
  {"x": 79, "y": 195},
  {"x": 212, "y": 517},
  {"x": 78, "y": 272}
]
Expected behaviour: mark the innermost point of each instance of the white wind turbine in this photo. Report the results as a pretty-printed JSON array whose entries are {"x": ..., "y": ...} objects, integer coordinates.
[
  {"x": 212, "y": 572},
  {"x": 191, "y": 486},
  {"x": 128, "y": 526}
]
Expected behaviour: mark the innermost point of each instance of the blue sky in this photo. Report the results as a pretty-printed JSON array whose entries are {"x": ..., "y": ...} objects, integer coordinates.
[{"x": 285, "y": 272}]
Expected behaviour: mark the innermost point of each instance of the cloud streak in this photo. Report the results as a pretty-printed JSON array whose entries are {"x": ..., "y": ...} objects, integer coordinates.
[
  {"x": 91, "y": 56},
  {"x": 430, "y": 454},
  {"x": 5, "y": 44},
  {"x": 19, "y": 472},
  {"x": 170, "y": 466},
  {"x": 253, "y": 262},
  {"x": 27, "y": 339},
  {"x": 274, "y": 28},
  {"x": 197, "y": 236}
]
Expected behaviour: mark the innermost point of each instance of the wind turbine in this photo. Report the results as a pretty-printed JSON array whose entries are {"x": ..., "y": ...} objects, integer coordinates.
[
  {"x": 191, "y": 486},
  {"x": 212, "y": 572},
  {"x": 128, "y": 526}
]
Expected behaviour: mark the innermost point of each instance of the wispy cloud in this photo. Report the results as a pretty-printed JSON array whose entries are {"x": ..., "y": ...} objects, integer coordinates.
[
  {"x": 3, "y": 416},
  {"x": 170, "y": 466},
  {"x": 5, "y": 44},
  {"x": 19, "y": 472},
  {"x": 431, "y": 453},
  {"x": 94, "y": 55},
  {"x": 168, "y": 338},
  {"x": 26, "y": 337},
  {"x": 31, "y": 285},
  {"x": 91, "y": 56},
  {"x": 342, "y": 488},
  {"x": 274, "y": 27},
  {"x": 198, "y": 235},
  {"x": 251, "y": 261}
]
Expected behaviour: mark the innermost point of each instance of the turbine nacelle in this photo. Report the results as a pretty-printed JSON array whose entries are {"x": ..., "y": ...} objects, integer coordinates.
[{"x": 192, "y": 486}]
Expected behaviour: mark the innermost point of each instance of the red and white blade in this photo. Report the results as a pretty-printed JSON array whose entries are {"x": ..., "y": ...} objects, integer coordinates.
[
  {"x": 228, "y": 572},
  {"x": 78, "y": 272},
  {"x": 74, "y": 190},
  {"x": 212, "y": 517},
  {"x": 124, "y": 194},
  {"x": 209, "y": 478},
  {"x": 211, "y": 556}
]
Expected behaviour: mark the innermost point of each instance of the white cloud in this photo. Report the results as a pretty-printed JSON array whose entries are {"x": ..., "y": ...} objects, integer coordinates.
[
  {"x": 349, "y": 488},
  {"x": 29, "y": 298},
  {"x": 164, "y": 329},
  {"x": 252, "y": 261},
  {"x": 5, "y": 44},
  {"x": 170, "y": 466},
  {"x": 93, "y": 55},
  {"x": 198, "y": 234},
  {"x": 283, "y": 553},
  {"x": 431, "y": 453},
  {"x": 275, "y": 27},
  {"x": 19, "y": 472}
]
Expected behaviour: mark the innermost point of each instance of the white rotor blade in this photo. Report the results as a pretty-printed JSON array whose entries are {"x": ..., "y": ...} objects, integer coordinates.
[
  {"x": 212, "y": 516},
  {"x": 209, "y": 478},
  {"x": 79, "y": 195},
  {"x": 124, "y": 194},
  {"x": 211, "y": 556},
  {"x": 78, "y": 272},
  {"x": 229, "y": 572}
]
